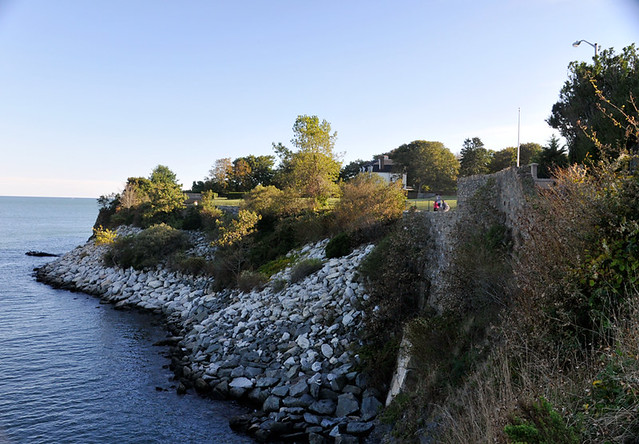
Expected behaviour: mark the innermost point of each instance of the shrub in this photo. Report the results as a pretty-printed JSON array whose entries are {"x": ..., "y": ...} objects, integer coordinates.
[
  {"x": 104, "y": 236},
  {"x": 278, "y": 285},
  {"x": 394, "y": 275},
  {"x": 271, "y": 202},
  {"x": 233, "y": 231},
  {"x": 541, "y": 424},
  {"x": 248, "y": 280},
  {"x": 368, "y": 200},
  {"x": 209, "y": 213},
  {"x": 277, "y": 265},
  {"x": 192, "y": 219},
  {"x": 147, "y": 249},
  {"x": 339, "y": 246},
  {"x": 305, "y": 268},
  {"x": 193, "y": 265}
]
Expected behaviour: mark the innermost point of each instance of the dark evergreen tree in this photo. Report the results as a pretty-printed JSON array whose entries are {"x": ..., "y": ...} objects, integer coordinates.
[
  {"x": 475, "y": 158},
  {"x": 553, "y": 155}
]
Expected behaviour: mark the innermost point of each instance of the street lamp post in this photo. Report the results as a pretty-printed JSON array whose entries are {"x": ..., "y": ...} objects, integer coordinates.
[{"x": 594, "y": 45}]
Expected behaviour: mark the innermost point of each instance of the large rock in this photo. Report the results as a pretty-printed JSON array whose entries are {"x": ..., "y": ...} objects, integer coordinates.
[
  {"x": 271, "y": 404},
  {"x": 323, "y": 407},
  {"x": 298, "y": 389},
  {"x": 370, "y": 407},
  {"x": 347, "y": 404},
  {"x": 241, "y": 382}
]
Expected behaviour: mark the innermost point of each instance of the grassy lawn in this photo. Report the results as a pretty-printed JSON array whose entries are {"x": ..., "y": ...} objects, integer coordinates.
[
  {"x": 227, "y": 202},
  {"x": 420, "y": 204},
  {"x": 427, "y": 204}
]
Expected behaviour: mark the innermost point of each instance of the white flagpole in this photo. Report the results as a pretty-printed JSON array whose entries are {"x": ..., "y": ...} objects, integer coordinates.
[{"x": 518, "y": 132}]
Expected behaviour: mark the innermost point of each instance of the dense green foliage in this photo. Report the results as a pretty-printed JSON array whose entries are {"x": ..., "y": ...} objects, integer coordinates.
[
  {"x": 367, "y": 201},
  {"x": 506, "y": 158},
  {"x": 552, "y": 156},
  {"x": 144, "y": 202},
  {"x": 474, "y": 158},
  {"x": 541, "y": 424},
  {"x": 339, "y": 246},
  {"x": 351, "y": 170},
  {"x": 430, "y": 166},
  {"x": 577, "y": 114},
  {"x": 152, "y": 246},
  {"x": 313, "y": 169},
  {"x": 240, "y": 175}
]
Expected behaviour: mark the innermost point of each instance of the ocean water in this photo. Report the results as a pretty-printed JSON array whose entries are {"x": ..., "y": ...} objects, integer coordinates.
[{"x": 76, "y": 371}]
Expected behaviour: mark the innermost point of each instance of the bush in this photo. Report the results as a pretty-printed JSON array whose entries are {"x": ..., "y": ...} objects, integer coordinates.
[
  {"x": 248, "y": 280},
  {"x": 104, "y": 236},
  {"x": 192, "y": 219},
  {"x": 393, "y": 272},
  {"x": 271, "y": 202},
  {"x": 368, "y": 200},
  {"x": 278, "y": 285},
  {"x": 193, "y": 265},
  {"x": 209, "y": 213},
  {"x": 541, "y": 425},
  {"x": 236, "y": 229},
  {"x": 147, "y": 249},
  {"x": 276, "y": 265},
  {"x": 305, "y": 268},
  {"x": 339, "y": 246}
]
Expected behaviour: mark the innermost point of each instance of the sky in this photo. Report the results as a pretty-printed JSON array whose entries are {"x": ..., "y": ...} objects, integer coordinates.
[{"x": 94, "y": 92}]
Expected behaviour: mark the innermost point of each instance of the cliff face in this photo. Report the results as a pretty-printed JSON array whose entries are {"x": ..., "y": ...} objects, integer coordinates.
[{"x": 290, "y": 353}]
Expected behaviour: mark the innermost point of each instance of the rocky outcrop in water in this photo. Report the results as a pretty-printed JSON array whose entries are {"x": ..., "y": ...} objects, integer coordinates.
[{"x": 290, "y": 353}]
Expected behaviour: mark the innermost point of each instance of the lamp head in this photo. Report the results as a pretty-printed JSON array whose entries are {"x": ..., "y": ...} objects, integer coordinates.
[{"x": 577, "y": 43}]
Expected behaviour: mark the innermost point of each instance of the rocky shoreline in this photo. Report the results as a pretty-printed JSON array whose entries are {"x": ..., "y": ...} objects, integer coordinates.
[{"x": 289, "y": 353}]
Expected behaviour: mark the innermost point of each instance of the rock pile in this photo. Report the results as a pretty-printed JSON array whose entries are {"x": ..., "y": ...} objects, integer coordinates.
[{"x": 290, "y": 352}]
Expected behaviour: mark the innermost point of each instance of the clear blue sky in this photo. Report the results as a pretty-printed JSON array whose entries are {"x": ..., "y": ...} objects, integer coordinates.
[{"x": 93, "y": 92}]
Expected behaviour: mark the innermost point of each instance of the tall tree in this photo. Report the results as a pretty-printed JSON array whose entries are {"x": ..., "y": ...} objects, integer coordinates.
[
  {"x": 503, "y": 159},
  {"x": 475, "y": 158},
  {"x": 312, "y": 170},
  {"x": 240, "y": 179},
  {"x": 577, "y": 114},
  {"x": 165, "y": 193},
  {"x": 553, "y": 155},
  {"x": 162, "y": 174},
  {"x": 261, "y": 170},
  {"x": 529, "y": 153},
  {"x": 309, "y": 134},
  {"x": 429, "y": 166},
  {"x": 220, "y": 175}
]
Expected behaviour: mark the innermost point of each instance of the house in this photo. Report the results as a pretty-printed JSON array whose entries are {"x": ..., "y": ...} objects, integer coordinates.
[{"x": 383, "y": 166}]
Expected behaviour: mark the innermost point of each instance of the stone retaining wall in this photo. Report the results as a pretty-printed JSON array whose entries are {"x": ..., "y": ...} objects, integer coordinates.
[
  {"x": 290, "y": 353},
  {"x": 512, "y": 188}
]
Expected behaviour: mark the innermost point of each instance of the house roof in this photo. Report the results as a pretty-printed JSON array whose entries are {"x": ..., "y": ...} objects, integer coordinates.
[{"x": 383, "y": 164}]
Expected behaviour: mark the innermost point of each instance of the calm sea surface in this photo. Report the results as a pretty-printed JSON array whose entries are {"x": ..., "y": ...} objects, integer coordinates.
[{"x": 75, "y": 371}]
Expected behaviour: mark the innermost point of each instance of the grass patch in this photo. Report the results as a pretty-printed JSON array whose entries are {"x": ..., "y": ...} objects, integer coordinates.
[{"x": 427, "y": 204}]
